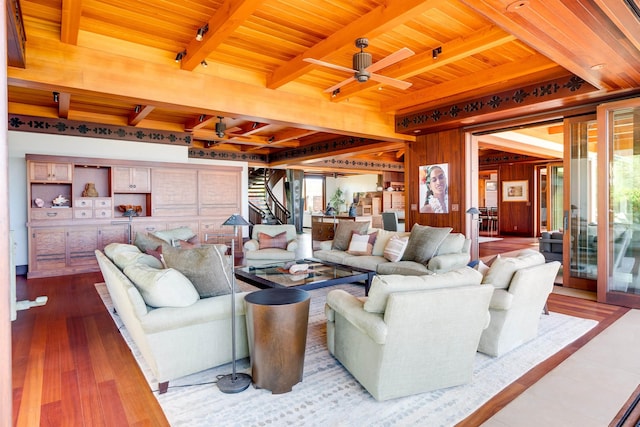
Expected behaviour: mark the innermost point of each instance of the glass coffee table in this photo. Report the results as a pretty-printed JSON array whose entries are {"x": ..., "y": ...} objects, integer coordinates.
[{"x": 319, "y": 275}]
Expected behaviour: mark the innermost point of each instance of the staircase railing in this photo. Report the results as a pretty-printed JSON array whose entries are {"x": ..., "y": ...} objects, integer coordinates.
[
  {"x": 280, "y": 212},
  {"x": 255, "y": 214}
]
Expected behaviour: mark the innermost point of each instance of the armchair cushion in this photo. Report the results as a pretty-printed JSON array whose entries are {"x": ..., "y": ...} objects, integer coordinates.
[
  {"x": 207, "y": 267},
  {"x": 383, "y": 285},
  {"x": 279, "y": 241},
  {"x": 424, "y": 241},
  {"x": 503, "y": 268},
  {"x": 350, "y": 307}
]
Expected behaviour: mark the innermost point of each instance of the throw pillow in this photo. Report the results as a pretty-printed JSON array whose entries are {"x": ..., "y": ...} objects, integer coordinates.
[
  {"x": 482, "y": 268},
  {"x": 383, "y": 238},
  {"x": 343, "y": 233},
  {"x": 452, "y": 244},
  {"x": 503, "y": 268},
  {"x": 424, "y": 242},
  {"x": 395, "y": 248},
  {"x": 145, "y": 241},
  {"x": 180, "y": 233},
  {"x": 113, "y": 248},
  {"x": 162, "y": 287},
  {"x": 278, "y": 241},
  {"x": 361, "y": 244},
  {"x": 124, "y": 259},
  {"x": 207, "y": 267}
]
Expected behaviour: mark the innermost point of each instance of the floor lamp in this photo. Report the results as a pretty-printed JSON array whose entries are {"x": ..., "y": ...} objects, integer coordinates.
[
  {"x": 234, "y": 382},
  {"x": 473, "y": 211}
]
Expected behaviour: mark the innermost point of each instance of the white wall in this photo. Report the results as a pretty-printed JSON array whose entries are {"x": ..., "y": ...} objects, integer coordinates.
[{"x": 21, "y": 143}]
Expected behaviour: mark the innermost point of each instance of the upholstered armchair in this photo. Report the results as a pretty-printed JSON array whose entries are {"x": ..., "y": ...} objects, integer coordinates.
[
  {"x": 516, "y": 309},
  {"x": 271, "y": 243},
  {"x": 423, "y": 340}
]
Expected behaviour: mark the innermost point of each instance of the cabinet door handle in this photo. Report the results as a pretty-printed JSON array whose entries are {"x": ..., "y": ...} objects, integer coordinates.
[{"x": 52, "y": 214}]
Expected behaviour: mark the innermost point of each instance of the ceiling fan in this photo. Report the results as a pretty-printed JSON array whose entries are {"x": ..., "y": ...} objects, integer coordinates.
[{"x": 363, "y": 68}]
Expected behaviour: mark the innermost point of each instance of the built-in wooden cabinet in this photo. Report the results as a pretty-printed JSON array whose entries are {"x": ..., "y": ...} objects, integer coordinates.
[
  {"x": 393, "y": 200},
  {"x": 50, "y": 172},
  {"x": 131, "y": 179},
  {"x": 63, "y": 240}
]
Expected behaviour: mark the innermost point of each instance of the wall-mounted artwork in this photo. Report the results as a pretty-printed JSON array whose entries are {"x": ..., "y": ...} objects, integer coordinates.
[
  {"x": 515, "y": 191},
  {"x": 491, "y": 186},
  {"x": 434, "y": 188}
]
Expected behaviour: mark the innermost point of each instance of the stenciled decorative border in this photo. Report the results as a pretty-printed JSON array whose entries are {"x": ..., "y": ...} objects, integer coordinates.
[
  {"x": 322, "y": 147},
  {"x": 238, "y": 156},
  {"x": 94, "y": 130},
  {"x": 533, "y": 94},
  {"x": 360, "y": 164}
]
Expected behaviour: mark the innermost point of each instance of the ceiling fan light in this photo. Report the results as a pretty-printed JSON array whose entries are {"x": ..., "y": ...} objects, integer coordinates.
[{"x": 361, "y": 60}]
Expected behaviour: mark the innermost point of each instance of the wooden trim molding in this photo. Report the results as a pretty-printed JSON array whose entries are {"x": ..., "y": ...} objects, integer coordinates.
[
  {"x": 58, "y": 126},
  {"x": 500, "y": 102},
  {"x": 237, "y": 156},
  {"x": 360, "y": 165}
]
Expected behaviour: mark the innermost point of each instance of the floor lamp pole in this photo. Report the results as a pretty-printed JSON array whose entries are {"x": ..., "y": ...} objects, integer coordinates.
[
  {"x": 474, "y": 212},
  {"x": 234, "y": 382}
]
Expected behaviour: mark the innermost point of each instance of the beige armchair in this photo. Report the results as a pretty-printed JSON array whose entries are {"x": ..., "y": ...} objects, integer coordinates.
[
  {"x": 271, "y": 243},
  {"x": 516, "y": 310},
  {"x": 424, "y": 340}
]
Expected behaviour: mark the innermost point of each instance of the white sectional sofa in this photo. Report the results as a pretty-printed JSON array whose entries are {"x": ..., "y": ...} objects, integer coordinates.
[{"x": 187, "y": 334}]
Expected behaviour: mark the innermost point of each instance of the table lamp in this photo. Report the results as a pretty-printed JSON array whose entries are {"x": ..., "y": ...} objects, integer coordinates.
[{"x": 234, "y": 382}]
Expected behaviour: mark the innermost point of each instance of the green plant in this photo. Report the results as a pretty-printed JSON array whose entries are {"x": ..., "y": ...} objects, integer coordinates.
[{"x": 337, "y": 199}]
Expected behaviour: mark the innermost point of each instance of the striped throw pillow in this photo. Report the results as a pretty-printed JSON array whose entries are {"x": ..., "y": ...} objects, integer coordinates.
[{"x": 395, "y": 248}]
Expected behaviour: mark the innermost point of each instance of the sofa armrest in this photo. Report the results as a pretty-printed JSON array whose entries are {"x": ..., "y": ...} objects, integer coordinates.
[
  {"x": 326, "y": 245},
  {"x": 292, "y": 245},
  {"x": 501, "y": 300},
  {"x": 351, "y": 308},
  {"x": 443, "y": 263},
  {"x": 251, "y": 245}
]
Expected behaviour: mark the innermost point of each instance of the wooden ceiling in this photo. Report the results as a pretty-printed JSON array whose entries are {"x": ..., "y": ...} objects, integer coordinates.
[{"x": 114, "y": 62}]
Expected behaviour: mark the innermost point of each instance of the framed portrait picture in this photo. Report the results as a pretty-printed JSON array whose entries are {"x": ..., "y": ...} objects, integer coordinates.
[
  {"x": 515, "y": 191},
  {"x": 434, "y": 188}
]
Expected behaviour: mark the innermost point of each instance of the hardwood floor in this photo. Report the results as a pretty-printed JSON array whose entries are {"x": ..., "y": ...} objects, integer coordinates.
[{"x": 72, "y": 367}]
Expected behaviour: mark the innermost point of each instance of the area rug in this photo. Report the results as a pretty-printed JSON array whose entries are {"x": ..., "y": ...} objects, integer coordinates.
[{"x": 330, "y": 396}]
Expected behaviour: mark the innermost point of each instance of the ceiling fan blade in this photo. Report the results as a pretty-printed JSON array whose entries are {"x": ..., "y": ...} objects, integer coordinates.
[
  {"x": 400, "y": 84},
  {"x": 339, "y": 85},
  {"x": 328, "y": 65},
  {"x": 391, "y": 59}
]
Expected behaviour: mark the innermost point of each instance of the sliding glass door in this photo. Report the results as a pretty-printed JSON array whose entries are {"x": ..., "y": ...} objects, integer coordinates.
[
  {"x": 619, "y": 279},
  {"x": 580, "y": 216}
]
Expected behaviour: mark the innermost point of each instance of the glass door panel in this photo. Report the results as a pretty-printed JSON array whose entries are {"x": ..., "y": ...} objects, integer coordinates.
[
  {"x": 555, "y": 187},
  {"x": 623, "y": 199},
  {"x": 580, "y": 204}
]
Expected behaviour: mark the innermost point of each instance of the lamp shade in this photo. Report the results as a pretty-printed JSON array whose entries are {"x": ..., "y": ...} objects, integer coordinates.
[
  {"x": 473, "y": 211},
  {"x": 236, "y": 219}
]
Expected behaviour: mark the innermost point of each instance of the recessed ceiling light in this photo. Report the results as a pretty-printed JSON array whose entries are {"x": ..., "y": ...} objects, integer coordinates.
[{"x": 598, "y": 66}]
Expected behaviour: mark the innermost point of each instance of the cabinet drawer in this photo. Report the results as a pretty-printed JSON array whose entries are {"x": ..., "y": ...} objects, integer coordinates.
[
  {"x": 102, "y": 213},
  {"x": 103, "y": 203},
  {"x": 83, "y": 203},
  {"x": 53, "y": 213},
  {"x": 82, "y": 213}
]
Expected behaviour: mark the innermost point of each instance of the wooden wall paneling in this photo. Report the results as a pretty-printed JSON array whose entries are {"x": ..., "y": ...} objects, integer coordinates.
[
  {"x": 439, "y": 147},
  {"x": 516, "y": 218}
]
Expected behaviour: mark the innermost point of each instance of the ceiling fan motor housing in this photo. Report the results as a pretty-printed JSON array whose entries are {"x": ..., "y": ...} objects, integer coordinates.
[{"x": 361, "y": 61}]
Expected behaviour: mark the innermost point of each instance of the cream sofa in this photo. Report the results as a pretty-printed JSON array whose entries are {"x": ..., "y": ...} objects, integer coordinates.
[
  {"x": 522, "y": 285},
  {"x": 174, "y": 341},
  {"x": 412, "y": 334},
  {"x": 452, "y": 253}
]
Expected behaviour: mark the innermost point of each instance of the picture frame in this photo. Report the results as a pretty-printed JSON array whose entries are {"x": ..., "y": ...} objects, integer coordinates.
[
  {"x": 515, "y": 191},
  {"x": 491, "y": 186},
  {"x": 434, "y": 196}
]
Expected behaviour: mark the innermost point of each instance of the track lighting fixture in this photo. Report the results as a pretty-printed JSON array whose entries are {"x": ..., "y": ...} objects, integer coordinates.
[
  {"x": 220, "y": 128},
  {"x": 180, "y": 55},
  {"x": 137, "y": 109},
  {"x": 437, "y": 51},
  {"x": 202, "y": 31},
  {"x": 335, "y": 93},
  {"x": 201, "y": 118},
  {"x": 204, "y": 63},
  {"x": 56, "y": 96}
]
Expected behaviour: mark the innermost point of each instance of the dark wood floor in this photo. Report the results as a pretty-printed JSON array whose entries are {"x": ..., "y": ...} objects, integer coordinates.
[{"x": 72, "y": 367}]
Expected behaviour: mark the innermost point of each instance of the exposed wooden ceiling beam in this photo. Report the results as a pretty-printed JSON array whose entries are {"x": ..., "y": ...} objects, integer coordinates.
[
  {"x": 519, "y": 147},
  {"x": 199, "y": 122},
  {"x": 484, "y": 39},
  {"x": 379, "y": 20},
  {"x": 478, "y": 80},
  {"x": 70, "y": 21},
  {"x": 139, "y": 114},
  {"x": 64, "y": 103},
  {"x": 224, "y": 22}
]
